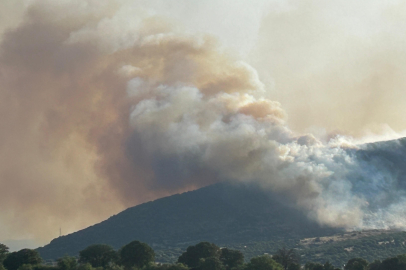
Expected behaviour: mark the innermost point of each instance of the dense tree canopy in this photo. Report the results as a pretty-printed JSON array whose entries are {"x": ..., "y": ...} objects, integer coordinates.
[
  {"x": 84, "y": 266},
  {"x": 288, "y": 258},
  {"x": 395, "y": 263},
  {"x": 313, "y": 266},
  {"x": 99, "y": 255},
  {"x": 3, "y": 252},
  {"x": 211, "y": 263},
  {"x": 231, "y": 258},
  {"x": 328, "y": 266},
  {"x": 177, "y": 266},
  {"x": 264, "y": 262},
  {"x": 203, "y": 256},
  {"x": 356, "y": 264},
  {"x": 319, "y": 266},
  {"x": 202, "y": 250},
  {"x": 136, "y": 254},
  {"x": 25, "y": 267},
  {"x": 67, "y": 263},
  {"x": 375, "y": 265},
  {"x": 25, "y": 256}
]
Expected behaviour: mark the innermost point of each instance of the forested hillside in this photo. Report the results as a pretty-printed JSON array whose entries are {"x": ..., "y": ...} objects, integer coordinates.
[
  {"x": 225, "y": 214},
  {"x": 246, "y": 218}
]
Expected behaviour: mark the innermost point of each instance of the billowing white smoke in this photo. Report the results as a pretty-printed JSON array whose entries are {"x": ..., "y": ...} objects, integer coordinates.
[
  {"x": 185, "y": 132},
  {"x": 105, "y": 105}
]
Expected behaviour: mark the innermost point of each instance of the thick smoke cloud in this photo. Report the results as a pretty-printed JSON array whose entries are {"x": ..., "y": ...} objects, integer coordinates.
[
  {"x": 335, "y": 65},
  {"x": 108, "y": 104},
  {"x": 69, "y": 153}
]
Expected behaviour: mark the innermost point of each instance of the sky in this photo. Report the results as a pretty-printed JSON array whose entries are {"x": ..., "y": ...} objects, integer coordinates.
[{"x": 108, "y": 104}]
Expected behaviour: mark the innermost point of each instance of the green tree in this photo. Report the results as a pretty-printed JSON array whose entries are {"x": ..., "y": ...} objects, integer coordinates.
[
  {"x": 177, "y": 266},
  {"x": 390, "y": 264},
  {"x": 136, "y": 254},
  {"x": 288, "y": 258},
  {"x": 67, "y": 263},
  {"x": 44, "y": 267},
  {"x": 114, "y": 266},
  {"x": 3, "y": 252},
  {"x": 313, "y": 266},
  {"x": 99, "y": 255},
  {"x": 202, "y": 250},
  {"x": 375, "y": 265},
  {"x": 356, "y": 264},
  {"x": 25, "y": 256},
  {"x": 25, "y": 267},
  {"x": 211, "y": 263},
  {"x": 85, "y": 266},
  {"x": 264, "y": 262},
  {"x": 328, "y": 266},
  {"x": 318, "y": 266},
  {"x": 231, "y": 258},
  {"x": 153, "y": 266},
  {"x": 395, "y": 263}
]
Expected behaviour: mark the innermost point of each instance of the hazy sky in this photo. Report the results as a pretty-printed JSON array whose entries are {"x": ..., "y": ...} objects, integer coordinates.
[{"x": 107, "y": 104}]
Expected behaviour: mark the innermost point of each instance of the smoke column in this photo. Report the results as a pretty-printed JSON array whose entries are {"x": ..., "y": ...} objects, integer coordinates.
[{"x": 107, "y": 104}]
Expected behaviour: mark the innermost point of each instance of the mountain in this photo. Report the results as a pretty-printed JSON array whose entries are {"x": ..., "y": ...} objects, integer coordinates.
[
  {"x": 386, "y": 156},
  {"x": 226, "y": 214},
  {"x": 245, "y": 217}
]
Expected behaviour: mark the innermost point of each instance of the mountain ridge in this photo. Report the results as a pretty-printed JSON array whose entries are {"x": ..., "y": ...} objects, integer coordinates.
[
  {"x": 222, "y": 213},
  {"x": 229, "y": 213}
]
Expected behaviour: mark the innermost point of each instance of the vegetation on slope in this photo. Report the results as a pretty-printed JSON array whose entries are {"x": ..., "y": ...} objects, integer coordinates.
[
  {"x": 224, "y": 213},
  {"x": 202, "y": 256}
]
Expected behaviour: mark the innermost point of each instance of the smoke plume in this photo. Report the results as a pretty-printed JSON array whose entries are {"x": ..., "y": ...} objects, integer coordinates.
[
  {"x": 107, "y": 104},
  {"x": 337, "y": 66}
]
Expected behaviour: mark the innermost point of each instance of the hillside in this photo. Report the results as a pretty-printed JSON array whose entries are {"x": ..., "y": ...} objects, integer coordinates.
[
  {"x": 338, "y": 249},
  {"x": 254, "y": 221},
  {"x": 224, "y": 213}
]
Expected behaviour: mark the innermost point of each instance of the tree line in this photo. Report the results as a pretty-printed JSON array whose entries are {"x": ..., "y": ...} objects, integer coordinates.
[{"x": 203, "y": 256}]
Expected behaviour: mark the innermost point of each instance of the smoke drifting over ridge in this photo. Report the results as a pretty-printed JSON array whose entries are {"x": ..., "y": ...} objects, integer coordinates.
[{"x": 105, "y": 105}]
